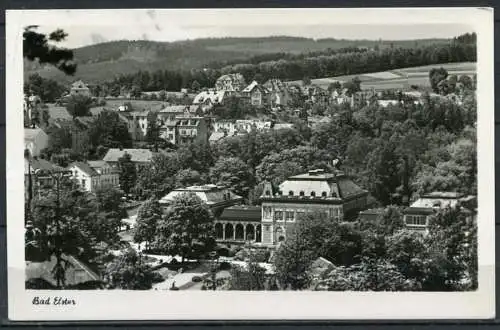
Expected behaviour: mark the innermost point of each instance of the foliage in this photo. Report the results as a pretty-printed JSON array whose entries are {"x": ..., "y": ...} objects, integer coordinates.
[
  {"x": 48, "y": 90},
  {"x": 127, "y": 174},
  {"x": 233, "y": 173},
  {"x": 109, "y": 214},
  {"x": 436, "y": 76},
  {"x": 187, "y": 228},
  {"x": 148, "y": 217},
  {"x": 39, "y": 47},
  {"x": 249, "y": 278},
  {"x": 188, "y": 177},
  {"x": 366, "y": 276},
  {"x": 79, "y": 105},
  {"x": 129, "y": 272},
  {"x": 109, "y": 131},
  {"x": 157, "y": 178}
]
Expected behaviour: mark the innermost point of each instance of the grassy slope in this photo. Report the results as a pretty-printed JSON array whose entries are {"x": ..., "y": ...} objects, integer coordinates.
[
  {"x": 401, "y": 77},
  {"x": 104, "y": 61}
]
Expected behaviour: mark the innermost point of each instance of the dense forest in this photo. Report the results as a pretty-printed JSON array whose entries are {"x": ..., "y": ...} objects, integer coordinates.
[
  {"x": 97, "y": 63},
  {"x": 345, "y": 61}
]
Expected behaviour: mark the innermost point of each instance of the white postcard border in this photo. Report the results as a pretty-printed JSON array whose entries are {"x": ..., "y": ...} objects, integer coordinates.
[{"x": 205, "y": 305}]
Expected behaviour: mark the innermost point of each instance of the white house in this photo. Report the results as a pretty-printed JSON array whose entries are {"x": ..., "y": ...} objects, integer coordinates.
[
  {"x": 93, "y": 175},
  {"x": 35, "y": 140}
]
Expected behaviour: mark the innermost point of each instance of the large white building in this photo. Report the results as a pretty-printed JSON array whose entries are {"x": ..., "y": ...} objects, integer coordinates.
[
  {"x": 334, "y": 194},
  {"x": 94, "y": 175}
]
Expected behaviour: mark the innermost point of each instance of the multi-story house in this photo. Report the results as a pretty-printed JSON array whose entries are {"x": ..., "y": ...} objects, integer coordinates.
[
  {"x": 35, "y": 140},
  {"x": 192, "y": 129},
  {"x": 137, "y": 122},
  {"x": 206, "y": 100},
  {"x": 256, "y": 94},
  {"x": 227, "y": 126},
  {"x": 247, "y": 125},
  {"x": 279, "y": 92},
  {"x": 239, "y": 223},
  {"x": 333, "y": 194},
  {"x": 168, "y": 130},
  {"x": 216, "y": 197},
  {"x": 232, "y": 83},
  {"x": 140, "y": 157},
  {"x": 93, "y": 175},
  {"x": 80, "y": 88},
  {"x": 417, "y": 216},
  {"x": 38, "y": 173}
]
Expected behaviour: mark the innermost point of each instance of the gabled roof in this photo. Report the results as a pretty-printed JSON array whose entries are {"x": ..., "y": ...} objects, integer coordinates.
[
  {"x": 43, "y": 270},
  {"x": 30, "y": 134},
  {"x": 85, "y": 168},
  {"x": 79, "y": 85},
  {"x": 174, "y": 109},
  {"x": 97, "y": 163},
  {"x": 212, "y": 96},
  {"x": 58, "y": 112},
  {"x": 136, "y": 155},
  {"x": 42, "y": 165},
  {"x": 216, "y": 136}
]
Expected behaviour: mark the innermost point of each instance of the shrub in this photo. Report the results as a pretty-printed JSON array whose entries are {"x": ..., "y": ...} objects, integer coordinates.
[
  {"x": 223, "y": 251},
  {"x": 157, "y": 278},
  {"x": 225, "y": 265},
  {"x": 196, "y": 279}
]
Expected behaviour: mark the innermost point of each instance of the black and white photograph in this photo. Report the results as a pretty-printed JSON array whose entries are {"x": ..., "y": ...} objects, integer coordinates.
[{"x": 199, "y": 154}]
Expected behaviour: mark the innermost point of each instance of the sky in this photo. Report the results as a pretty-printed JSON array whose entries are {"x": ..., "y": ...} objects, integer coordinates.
[{"x": 169, "y": 26}]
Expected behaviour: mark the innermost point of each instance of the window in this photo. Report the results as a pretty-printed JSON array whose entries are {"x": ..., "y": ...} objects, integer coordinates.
[
  {"x": 289, "y": 216},
  {"x": 268, "y": 193},
  {"x": 83, "y": 182},
  {"x": 324, "y": 194},
  {"x": 290, "y": 193},
  {"x": 267, "y": 227},
  {"x": 313, "y": 194},
  {"x": 278, "y": 215},
  {"x": 416, "y": 220},
  {"x": 267, "y": 212},
  {"x": 334, "y": 194},
  {"x": 301, "y": 193}
]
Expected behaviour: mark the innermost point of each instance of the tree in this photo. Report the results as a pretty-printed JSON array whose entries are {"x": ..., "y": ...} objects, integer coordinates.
[
  {"x": 369, "y": 275},
  {"x": 436, "y": 76},
  {"x": 158, "y": 177},
  {"x": 109, "y": 214},
  {"x": 188, "y": 177},
  {"x": 36, "y": 46},
  {"x": 187, "y": 228},
  {"x": 383, "y": 173},
  {"x": 306, "y": 81},
  {"x": 233, "y": 173},
  {"x": 153, "y": 130},
  {"x": 148, "y": 217},
  {"x": 129, "y": 272},
  {"x": 47, "y": 89},
  {"x": 136, "y": 92},
  {"x": 79, "y": 105},
  {"x": 127, "y": 174},
  {"x": 109, "y": 131},
  {"x": 195, "y": 86},
  {"x": 249, "y": 278},
  {"x": 61, "y": 219},
  {"x": 353, "y": 86}
]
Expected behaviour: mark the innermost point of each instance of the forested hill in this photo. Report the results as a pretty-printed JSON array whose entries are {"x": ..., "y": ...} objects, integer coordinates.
[{"x": 101, "y": 62}]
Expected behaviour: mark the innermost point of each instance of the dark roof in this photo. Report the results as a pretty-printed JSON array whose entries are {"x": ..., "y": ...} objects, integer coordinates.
[
  {"x": 348, "y": 188},
  {"x": 43, "y": 270},
  {"x": 58, "y": 112},
  {"x": 43, "y": 165},
  {"x": 136, "y": 155},
  {"x": 418, "y": 210},
  {"x": 241, "y": 213},
  {"x": 85, "y": 167}
]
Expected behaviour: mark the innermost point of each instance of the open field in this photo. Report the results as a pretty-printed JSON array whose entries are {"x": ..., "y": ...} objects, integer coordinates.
[{"x": 399, "y": 78}]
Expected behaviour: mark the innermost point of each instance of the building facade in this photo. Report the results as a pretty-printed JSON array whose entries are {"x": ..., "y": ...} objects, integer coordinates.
[
  {"x": 35, "y": 140},
  {"x": 239, "y": 223},
  {"x": 335, "y": 195},
  {"x": 80, "y": 88},
  {"x": 279, "y": 95},
  {"x": 418, "y": 215},
  {"x": 232, "y": 83},
  {"x": 140, "y": 157},
  {"x": 256, "y": 94}
]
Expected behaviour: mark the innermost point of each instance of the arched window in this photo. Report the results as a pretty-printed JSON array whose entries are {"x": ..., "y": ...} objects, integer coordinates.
[
  {"x": 334, "y": 194},
  {"x": 313, "y": 194},
  {"x": 268, "y": 193},
  {"x": 290, "y": 193},
  {"x": 301, "y": 193},
  {"x": 323, "y": 194}
]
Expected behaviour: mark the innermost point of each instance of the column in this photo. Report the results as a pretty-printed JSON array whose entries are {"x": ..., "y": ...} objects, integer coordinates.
[
  {"x": 244, "y": 232},
  {"x": 234, "y": 232},
  {"x": 223, "y": 231}
]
